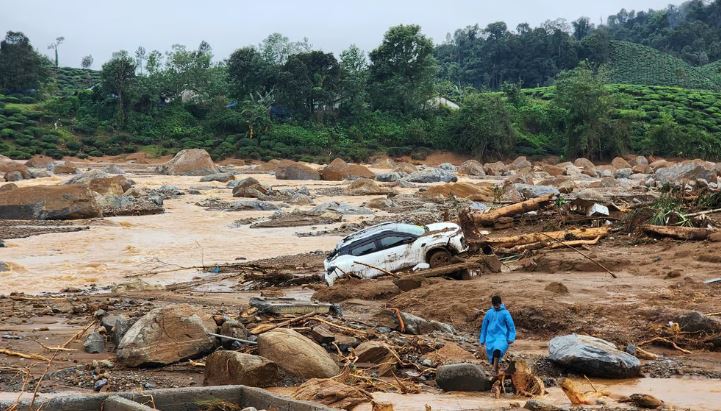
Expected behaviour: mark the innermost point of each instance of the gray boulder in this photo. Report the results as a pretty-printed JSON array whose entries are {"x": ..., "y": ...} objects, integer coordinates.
[
  {"x": 696, "y": 322},
  {"x": 341, "y": 208},
  {"x": 623, "y": 173},
  {"x": 593, "y": 357},
  {"x": 447, "y": 167},
  {"x": 220, "y": 177},
  {"x": 431, "y": 175},
  {"x": 114, "y": 169},
  {"x": 389, "y": 177},
  {"x": 417, "y": 325},
  {"x": 463, "y": 377},
  {"x": 94, "y": 343},
  {"x": 531, "y": 190},
  {"x": 472, "y": 168},
  {"x": 685, "y": 171},
  {"x": 13, "y": 176}
]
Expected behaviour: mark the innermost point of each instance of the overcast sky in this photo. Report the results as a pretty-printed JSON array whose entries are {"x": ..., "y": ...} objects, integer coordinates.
[{"x": 100, "y": 27}]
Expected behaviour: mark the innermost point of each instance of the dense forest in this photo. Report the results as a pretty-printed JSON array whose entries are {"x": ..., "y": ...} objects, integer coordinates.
[{"x": 647, "y": 82}]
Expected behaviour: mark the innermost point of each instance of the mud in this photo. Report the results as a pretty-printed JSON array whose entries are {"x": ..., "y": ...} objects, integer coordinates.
[{"x": 213, "y": 259}]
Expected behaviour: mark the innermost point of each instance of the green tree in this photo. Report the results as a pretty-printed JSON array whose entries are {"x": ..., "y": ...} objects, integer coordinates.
[
  {"x": 276, "y": 48},
  {"x": 140, "y": 58},
  {"x": 308, "y": 83},
  {"x": 249, "y": 73},
  {"x": 586, "y": 107},
  {"x": 21, "y": 67},
  {"x": 483, "y": 126},
  {"x": 87, "y": 62},
  {"x": 353, "y": 81},
  {"x": 118, "y": 77},
  {"x": 402, "y": 70}
]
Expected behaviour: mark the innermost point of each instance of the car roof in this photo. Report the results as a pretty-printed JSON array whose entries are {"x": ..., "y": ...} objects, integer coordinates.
[{"x": 377, "y": 229}]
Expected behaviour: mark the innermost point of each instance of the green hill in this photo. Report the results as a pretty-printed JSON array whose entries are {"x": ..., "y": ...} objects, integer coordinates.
[
  {"x": 70, "y": 79},
  {"x": 632, "y": 63}
]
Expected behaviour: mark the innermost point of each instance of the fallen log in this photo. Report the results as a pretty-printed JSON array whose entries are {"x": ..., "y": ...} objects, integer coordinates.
[
  {"x": 679, "y": 233},
  {"x": 489, "y": 218},
  {"x": 546, "y": 244},
  {"x": 23, "y": 355},
  {"x": 562, "y": 236},
  {"x": 490, "y": 263}
]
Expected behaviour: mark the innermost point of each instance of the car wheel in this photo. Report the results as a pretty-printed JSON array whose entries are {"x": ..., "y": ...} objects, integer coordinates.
[{"x": 439, "y": 258}]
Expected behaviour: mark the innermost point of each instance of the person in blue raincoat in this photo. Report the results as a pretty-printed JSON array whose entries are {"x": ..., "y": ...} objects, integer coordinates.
[{"x": 497, "y": 332}]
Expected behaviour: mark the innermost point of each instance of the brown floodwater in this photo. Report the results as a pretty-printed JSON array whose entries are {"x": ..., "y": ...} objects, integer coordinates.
[{"x": 186, "y": 235}]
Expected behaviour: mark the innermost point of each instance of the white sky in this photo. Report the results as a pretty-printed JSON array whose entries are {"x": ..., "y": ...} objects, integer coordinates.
[{"x": 100, "y": 27}]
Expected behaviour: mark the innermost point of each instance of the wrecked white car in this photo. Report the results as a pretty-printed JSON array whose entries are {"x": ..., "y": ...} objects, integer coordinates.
[{"x": 390, "y": 247}]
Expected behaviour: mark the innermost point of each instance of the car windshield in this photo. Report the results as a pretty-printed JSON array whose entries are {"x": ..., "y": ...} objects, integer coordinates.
[{"x": 415, "y": 230}]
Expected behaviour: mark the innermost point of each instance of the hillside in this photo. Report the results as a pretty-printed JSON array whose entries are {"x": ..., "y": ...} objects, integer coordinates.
[
  {"x": 632, "y": 63},
  {"x": 69, "y": 79}
]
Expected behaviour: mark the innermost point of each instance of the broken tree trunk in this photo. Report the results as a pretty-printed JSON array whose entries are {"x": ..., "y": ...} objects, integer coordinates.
[
  {"x": 489, "y": 218},
  {"x": 488, "y": 263},
  {"x": 680, "y": 233},
  {"x": 546, "y": 244},
  {"x": 563, "y": 235}
]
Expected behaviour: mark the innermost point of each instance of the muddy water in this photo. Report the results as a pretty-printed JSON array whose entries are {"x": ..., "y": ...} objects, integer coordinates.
[
  {"x": 184, "y": 236},
  {"x": 697, "y": 395}
]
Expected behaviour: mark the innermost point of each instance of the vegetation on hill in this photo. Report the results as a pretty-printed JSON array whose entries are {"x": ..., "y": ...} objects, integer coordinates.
[
  {"x": 285, "y": 99},
  {"x": 636, "y": 64}
]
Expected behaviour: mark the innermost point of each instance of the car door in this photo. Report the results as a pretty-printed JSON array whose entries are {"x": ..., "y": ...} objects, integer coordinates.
[
  {"x": 362, "y": 257},
  {"x": 395, "y": 251}
]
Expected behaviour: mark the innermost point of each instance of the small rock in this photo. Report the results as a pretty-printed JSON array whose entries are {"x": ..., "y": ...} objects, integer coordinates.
[
  {"x": 235, "y": 329},
  {"x": 99, "y": 313},
  {"x": 99, "y": 384},
  {"x": 220, "y": 177},
  {"x": 94, "y": 343},
  {"x": 537, "y": 405},
  {"x": 463, "y": 377}
]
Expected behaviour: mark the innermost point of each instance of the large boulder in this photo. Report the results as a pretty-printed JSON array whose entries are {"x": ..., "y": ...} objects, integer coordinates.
[
  {"x": 593, "y": 357},
  {"x": 236, "y": 368},
  {"x": 431, "y": 175},
  {"x": 39, "y": 161},
  {"x": 533, "y": 190},
  {"x": 251, "y": 188},
  {"x": 339, "y": 170},
  {"x": 520, "y": 163},
  {"x": 405, "y": 168},
  {"x": 472, "y": 168},
  {"x": 619, "y": 163},
  {"x": 296, "y": 354},
  {"x": 463, "y": 377},
  {"x": 102, "y": 183},
  {"x": 49, "y": 203},
  {"x": 689, "y": 170},
  {"x": 290, "y": 170},
  {"x": 166, "y": 335},
  {"x": 495, "y": 169},
  {"x": 189, "y": 162},
  {"x": 7, "y": 166},
  {"x": 587, "y": 167},
  {"x": 365, "y": 187},
  {"x": 459, "y": 190},
  {"x": 66, "y": 167}
]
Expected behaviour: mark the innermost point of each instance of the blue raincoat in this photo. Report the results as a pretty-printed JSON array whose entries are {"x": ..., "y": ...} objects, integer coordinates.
[{"x": 497, "y": 331}]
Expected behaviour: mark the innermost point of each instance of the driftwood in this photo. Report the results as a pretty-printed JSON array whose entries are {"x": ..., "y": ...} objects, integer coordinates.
[
  {"x": 546, "y": 244},
  {"x": 267, "y": 327},
  {"x": 489, "y": 218},
  {"x": 664, "y": 341},
  {"x": 563, "y": 235},
  {"x": 23, "y": 355},
  {"x": 679, "y": 233}
]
